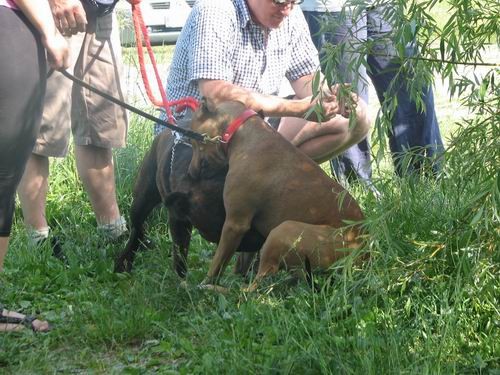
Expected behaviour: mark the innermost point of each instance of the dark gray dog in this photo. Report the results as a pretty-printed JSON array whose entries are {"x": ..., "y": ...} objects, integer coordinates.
[{"x": 163, "y": 178}]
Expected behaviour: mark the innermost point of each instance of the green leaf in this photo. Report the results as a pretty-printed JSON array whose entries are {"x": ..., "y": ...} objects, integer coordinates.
[
  {"x": 316, "y": 82},
  {"x": 442, "y": 48},
  {"x": 477, "y": 216}
]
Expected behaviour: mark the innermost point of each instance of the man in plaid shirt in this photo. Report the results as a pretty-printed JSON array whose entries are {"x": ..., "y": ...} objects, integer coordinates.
[{"x": 241, "y": 50}]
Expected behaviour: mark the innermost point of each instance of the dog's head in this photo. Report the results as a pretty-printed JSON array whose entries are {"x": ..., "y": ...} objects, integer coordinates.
[{"x": 209, "y": 158}]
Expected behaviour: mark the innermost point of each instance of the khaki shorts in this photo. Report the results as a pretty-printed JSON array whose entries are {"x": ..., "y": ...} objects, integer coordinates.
[{"x": 94, "y": 120}]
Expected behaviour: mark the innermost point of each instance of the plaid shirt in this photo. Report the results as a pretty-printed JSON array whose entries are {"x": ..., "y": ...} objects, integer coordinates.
[{"x": 220, "y": 41}]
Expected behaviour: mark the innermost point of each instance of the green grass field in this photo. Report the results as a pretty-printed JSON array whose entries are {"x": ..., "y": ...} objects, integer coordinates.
[{"x": 426, "y": 303}]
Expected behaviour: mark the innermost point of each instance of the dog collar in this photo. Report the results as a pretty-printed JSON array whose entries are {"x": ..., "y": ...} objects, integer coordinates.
[{"x": 235, "y": 125}]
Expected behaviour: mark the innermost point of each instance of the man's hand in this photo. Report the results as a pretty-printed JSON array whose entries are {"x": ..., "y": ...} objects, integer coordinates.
[
  {"x": 338, "y": 100},
  {"x": 346, "y": 99},
  {"x": 69, "y": 16}
]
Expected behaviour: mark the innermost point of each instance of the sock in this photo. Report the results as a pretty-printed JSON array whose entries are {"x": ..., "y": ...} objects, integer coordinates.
[
  {"x": 115, "y": 229},
  {"x": 37, "y": 236}
]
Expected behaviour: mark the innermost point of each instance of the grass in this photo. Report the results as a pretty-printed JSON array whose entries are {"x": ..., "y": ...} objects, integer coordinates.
[{"x": 426, "y": 302}]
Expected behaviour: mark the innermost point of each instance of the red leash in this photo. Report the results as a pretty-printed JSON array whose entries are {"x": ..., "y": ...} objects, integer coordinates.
[{"x": 141, "y": 33}]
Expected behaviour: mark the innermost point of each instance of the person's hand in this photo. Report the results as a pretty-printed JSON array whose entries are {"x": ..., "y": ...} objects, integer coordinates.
[
  {"x": 322, "y": 108},
  {"x": 57, "y": 51},
  {"x": 337, "y": 100},
  {"x": 347, "y": 100},
  {"x": 69, "y": 16}
]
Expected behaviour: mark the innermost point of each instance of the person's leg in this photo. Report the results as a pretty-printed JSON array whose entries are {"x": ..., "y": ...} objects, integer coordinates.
[
  {"x": 322, "y": 141},
  {"x": 52, "y": 141},
  {"x": 412, "y": 130},
  {"x": 355, "y": 162},
  {"x": 96, "y": 169},
  {"x": 4, "y": 245},
  {"x": 342, "y": 28},
  {"x": 98, "y": 125},
  {"x": 32, "y": 192},
  {"x": 22, "y": 87}
]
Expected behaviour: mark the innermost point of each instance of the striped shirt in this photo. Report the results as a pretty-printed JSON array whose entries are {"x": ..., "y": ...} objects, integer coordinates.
[{"x": 220, "y": 41}]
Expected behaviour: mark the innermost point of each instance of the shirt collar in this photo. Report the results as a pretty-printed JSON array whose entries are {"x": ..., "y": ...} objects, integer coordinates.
[{"x": 243, "y": 12}]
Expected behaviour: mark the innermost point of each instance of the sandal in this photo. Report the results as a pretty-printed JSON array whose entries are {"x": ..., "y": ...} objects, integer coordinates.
[{"x": 13, "y": 323}]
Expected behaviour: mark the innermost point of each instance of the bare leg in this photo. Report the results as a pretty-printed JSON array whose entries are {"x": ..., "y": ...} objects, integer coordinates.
[
  {"x": 32, "y": 191},
  {"x": 320, "y": 141},
  {"x": 4, "y": 244},
  {"x": 96, "y": 169}
]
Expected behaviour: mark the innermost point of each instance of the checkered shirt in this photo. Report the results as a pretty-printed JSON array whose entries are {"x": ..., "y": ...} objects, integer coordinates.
[{"x": 220, "y": 41}]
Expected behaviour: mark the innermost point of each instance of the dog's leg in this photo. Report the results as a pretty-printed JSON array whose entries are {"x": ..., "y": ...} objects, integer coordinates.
[
  {"x": 245, "y": 263},
  {"x": 232, "y": 233},
  {"x": 269, "y": 261},
  {"x": 280, "y": 251},
  {"x": 146, "y": 197},
  {"x": 181, "y": 237},
  {"x": 138, "y": 214}
]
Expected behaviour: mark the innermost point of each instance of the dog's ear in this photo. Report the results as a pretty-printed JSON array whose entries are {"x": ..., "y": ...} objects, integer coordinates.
[{"x": 207, "y": 105}]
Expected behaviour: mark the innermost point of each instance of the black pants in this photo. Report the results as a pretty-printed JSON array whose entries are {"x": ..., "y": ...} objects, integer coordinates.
[{"x": 23, "y": 74}]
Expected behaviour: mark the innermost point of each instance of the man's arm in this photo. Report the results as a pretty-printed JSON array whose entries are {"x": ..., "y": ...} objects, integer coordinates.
[{"x": 218, "y": 91}]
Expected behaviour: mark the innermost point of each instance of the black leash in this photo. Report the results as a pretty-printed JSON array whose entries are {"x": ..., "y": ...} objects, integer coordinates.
[{"x": 186, "y": 132}]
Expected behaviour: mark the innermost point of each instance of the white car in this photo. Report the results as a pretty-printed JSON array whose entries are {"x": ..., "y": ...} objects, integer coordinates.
[{"x": 163, "y": 18}]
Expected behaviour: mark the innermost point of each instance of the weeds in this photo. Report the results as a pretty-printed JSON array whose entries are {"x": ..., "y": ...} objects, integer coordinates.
[{"x": 425, "y": 303}]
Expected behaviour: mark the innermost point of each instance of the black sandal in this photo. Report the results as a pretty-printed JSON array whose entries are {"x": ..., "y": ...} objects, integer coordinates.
[{"x": 27, "y": 321}]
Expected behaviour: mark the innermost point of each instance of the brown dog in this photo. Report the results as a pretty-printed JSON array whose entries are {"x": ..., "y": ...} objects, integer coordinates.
[
  {"x": 269, "y": 181},
  {"x": 294, "y": 245},
  {"x": 163, "y": 178}
]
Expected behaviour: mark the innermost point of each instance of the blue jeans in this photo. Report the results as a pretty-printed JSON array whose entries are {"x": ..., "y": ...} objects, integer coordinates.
[{"x": 411, "y": 130}]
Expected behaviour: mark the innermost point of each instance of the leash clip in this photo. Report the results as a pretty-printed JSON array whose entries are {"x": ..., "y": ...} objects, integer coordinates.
[{"x": 216, "y": 139}]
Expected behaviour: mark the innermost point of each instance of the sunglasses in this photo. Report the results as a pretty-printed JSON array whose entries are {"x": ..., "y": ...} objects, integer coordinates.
[{"x": 286, "y": 2}]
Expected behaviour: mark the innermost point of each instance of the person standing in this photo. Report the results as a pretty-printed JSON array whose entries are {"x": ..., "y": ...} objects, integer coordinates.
[
  {"x": 242, "y": 50},
  {"x": 27, "y": 34},
  {"x": 413, "y": 130},
  {"x": 97, "y": 125}
]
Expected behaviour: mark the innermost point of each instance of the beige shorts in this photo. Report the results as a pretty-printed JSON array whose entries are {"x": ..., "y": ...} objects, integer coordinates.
[{"x": 94, "y": 120}]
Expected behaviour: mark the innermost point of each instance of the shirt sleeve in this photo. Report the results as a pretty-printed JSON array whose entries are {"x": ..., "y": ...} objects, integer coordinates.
[{"x": 212, "y": 44}]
